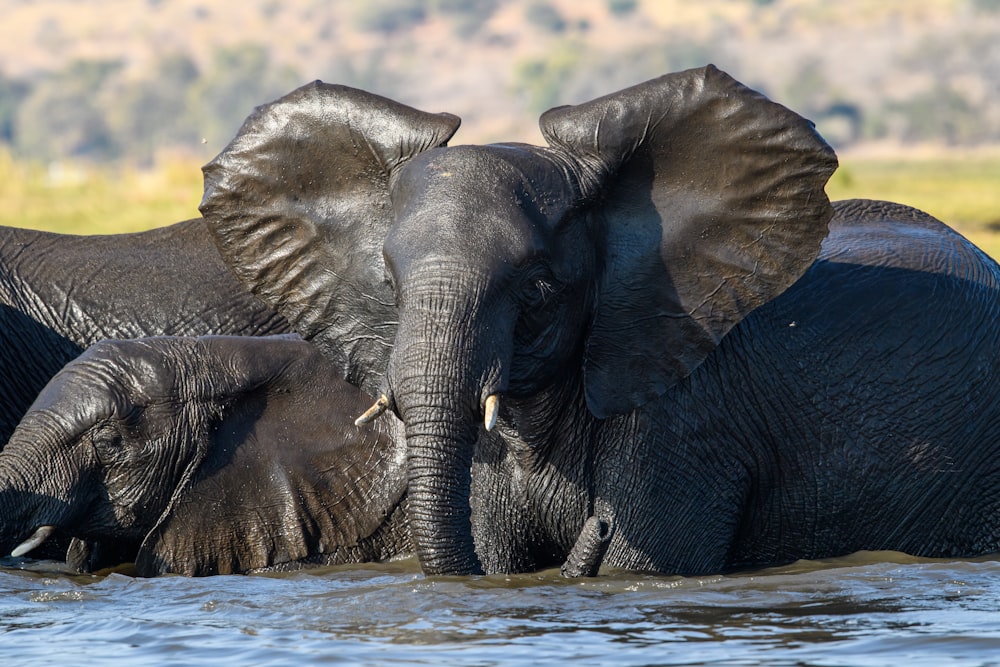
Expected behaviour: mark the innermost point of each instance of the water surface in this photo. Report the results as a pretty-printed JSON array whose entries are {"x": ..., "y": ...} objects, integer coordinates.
[{"x": 868, "y": 609}]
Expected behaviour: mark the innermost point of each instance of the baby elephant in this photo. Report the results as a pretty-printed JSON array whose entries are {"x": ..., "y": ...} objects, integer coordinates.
[{"x": 201, "y": 456}]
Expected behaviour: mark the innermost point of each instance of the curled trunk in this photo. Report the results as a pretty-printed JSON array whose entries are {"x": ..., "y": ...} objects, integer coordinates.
[{"x": 585, "y": 558}]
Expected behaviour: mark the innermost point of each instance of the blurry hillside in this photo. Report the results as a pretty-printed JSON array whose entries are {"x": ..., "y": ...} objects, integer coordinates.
[{"x": 108, "y": 80}]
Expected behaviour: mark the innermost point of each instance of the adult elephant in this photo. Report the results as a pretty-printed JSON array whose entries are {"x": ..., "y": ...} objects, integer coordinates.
[
  {"x": 200, "y": 456},
  {"x": 61, "y": 293},
  {"x": 598, "y": 335}
]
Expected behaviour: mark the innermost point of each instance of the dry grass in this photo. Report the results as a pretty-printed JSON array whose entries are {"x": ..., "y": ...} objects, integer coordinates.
[
  {"x": 963, "y": 190},
  {"x": 80, "y": 199}
]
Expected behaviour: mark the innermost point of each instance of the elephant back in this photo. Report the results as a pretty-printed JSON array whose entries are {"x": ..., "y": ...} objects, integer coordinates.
[{"x": 886, "y": 234}]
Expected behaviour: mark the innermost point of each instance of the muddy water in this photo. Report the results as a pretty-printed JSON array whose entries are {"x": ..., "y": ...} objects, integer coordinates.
[{"x": 868, "y": 609}]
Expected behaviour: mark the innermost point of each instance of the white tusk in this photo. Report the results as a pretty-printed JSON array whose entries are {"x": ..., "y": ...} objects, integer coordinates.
[
  {"x": 43, "y": 533},
  {"x": 492, "y": 408},
  {"x": 372, "y": 413}
]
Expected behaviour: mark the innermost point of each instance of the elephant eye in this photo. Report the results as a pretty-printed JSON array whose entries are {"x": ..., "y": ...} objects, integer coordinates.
[
  {"x": 544, "y": 288},
  {"x": 537, "y": 300},
  {"x": 538, "y": 290},
  {"x": 389, "y": 280},
  {"x": 107, "y": 444}
]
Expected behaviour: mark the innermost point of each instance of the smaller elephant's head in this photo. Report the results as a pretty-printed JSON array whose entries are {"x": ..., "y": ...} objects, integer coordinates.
[{"x": 202, "y": 456}]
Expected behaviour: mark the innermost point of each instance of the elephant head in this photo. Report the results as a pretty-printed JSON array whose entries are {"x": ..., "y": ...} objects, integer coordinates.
[
  {"x": 601, "y": 269},
  {"x": 203, "y": 456}
]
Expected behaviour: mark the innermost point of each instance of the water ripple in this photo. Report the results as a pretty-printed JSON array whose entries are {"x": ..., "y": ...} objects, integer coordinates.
[{"x": 869, "y": 609}]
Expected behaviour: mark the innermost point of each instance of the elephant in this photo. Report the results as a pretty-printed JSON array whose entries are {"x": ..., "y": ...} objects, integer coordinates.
[
  {"x": 61, "y": 293},
  {"x": 204, "y": 455},
  {"x": 654, "y": 342}
]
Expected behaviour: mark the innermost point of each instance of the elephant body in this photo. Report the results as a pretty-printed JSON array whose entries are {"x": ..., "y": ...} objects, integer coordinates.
[
  {"x": 59, "y": 294},
  {"x": 652, "y": 343},
  {"x": 209, "y": 455},
  {"x": 859, "y": 410}
]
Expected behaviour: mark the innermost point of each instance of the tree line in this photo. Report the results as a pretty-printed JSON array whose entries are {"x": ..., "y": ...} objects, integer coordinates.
[
  {"x": 91, "y": 110},
  {"x": 97, "y": 110}
]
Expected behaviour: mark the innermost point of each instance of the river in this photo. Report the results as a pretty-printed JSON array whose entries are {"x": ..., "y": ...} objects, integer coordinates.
[{"x": 866, "y": 609}]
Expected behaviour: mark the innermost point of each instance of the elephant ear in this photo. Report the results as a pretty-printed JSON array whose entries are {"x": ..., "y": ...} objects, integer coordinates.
[
  {"x": 298, "y": 204},
  {"x": 709, "y": 200},
  {"x": 285, "y": 475}
]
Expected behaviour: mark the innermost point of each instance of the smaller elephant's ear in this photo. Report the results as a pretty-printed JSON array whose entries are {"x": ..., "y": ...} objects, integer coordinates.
[
  {"x": 299, "y": 206},
  {"x": 708, "y": 200},
  {"x": 285, "y": 475}
]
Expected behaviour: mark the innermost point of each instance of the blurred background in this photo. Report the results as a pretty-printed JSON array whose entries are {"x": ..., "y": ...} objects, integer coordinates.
[{"x": 108, "y": 108}]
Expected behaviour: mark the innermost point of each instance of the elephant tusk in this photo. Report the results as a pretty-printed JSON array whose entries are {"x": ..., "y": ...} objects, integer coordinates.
[
  {"x": 43, "y": 533},
  {"x": 372, "y": 413},
  {"x": 492, "y": 408}
]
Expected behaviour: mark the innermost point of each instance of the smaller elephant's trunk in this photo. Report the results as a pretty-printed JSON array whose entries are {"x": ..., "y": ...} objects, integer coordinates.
[
  {"x": 29, "y": 511},
  {"x": 446, "y": 375}
]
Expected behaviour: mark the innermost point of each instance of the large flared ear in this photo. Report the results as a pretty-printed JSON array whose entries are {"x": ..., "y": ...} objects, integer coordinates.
[
  {"x": 708, "y": 200},
  {"x": 298, "y": 203},
  {"x": 285, "y": 476}
]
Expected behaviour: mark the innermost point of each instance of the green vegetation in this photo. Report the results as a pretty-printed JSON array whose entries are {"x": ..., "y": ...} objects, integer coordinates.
[
  {"x": 394, "y": 16},
  {"x": 117, "y": 86},
  {"x": 622, "y": 7},
  {"x": 240, "y": 78},
  {"x": 62, "y": 116},
  {"x": 542, "y": 80},
  {"x": 97, "y": 200},
  {"x": 939, "y": 113},
  {"x": 389, "y": 16},
  {"x": 545, "y": 16},
  {"x": 961, "y": 190},
  {"x": 90, "y": 110},
  {"x": 570, "y": 72},
  {"x": 467, "y": 16}
]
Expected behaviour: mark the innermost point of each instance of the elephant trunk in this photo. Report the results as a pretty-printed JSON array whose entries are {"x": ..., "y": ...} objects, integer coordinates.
[
  {"x": 441, "y": 432},
  {"x": 27, "y": 514},
  {"x": 439, "y": 461},
  {"x": 445, "y": 379}
]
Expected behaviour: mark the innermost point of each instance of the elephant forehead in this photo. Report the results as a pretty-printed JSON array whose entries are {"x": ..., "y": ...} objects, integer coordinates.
[
  {"x": 475, "y": 203},
  {"x": 93, "y": 386},
  {"x": 80, "y": 395},
  {"x": 463, "y": 178},
  {"x": 144, "y": 366}
]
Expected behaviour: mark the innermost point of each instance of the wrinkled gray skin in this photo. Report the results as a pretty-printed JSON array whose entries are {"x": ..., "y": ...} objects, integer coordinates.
[
  {"x": 61, "y": 293},
  {"x": 623, "y": 295},
  {"x": 203, "y": 456}
]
